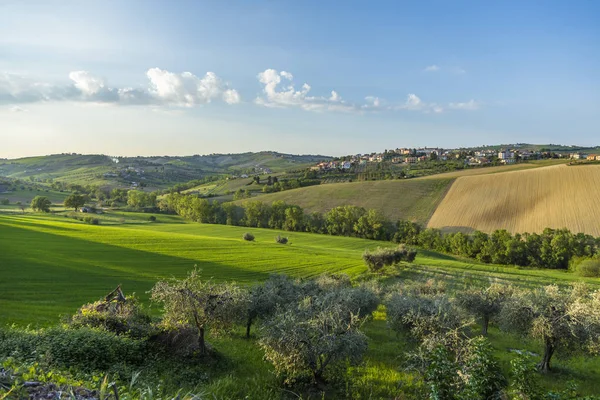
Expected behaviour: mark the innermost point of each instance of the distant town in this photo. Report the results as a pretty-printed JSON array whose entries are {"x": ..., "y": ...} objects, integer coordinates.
[{"x": 470, "y": 157}]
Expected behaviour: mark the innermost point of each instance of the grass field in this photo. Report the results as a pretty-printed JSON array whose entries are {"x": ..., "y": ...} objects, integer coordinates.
[
  {"x": 50, "y": 265},
  {"x": 524, "y": 201},
  {"x": 412, "y": 199}
]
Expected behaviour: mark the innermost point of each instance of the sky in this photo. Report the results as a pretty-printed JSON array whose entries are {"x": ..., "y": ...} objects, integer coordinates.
[{"x": 302, "y": 77}]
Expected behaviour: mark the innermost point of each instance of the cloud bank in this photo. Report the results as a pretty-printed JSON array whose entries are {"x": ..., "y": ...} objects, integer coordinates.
[
  {"x": 186, "y": 90},
  {"x": 164, "y": 88}
]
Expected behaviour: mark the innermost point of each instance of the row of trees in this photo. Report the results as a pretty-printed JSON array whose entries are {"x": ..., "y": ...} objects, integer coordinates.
[
  {"x": 553, "y": 248},
  {"x": 311, "y": 330}
]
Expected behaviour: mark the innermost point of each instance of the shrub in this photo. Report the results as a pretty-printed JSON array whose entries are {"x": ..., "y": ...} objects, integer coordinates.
[
  {"x": 84, "y": 348},
  {"x": 248, "y": 236},
  {"x": 152, "y": 218},
  {"x": 91, "y": 220},
  {"x": 382, "y": 257},
  {"x": 125, "y": 317},
  {"x": 589, "y": 268},
  {"x": 281, "y": 240},
  {"x": 4, "y": 202}
]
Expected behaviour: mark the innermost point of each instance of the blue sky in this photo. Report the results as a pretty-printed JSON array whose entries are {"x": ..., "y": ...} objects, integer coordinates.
[{"x": 186, "y": 77}]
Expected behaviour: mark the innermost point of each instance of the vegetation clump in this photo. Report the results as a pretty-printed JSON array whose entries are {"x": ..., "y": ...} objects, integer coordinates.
[
  {"x": 382, "y": 257},
  {"x": 281, "y": 240},
  {"x": 248, "y": 236},
  {"x": 589, "y": 268},
  {"x": 41, "y": 203}
]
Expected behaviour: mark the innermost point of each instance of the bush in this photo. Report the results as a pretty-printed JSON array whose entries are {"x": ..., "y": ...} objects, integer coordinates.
[
  {"x": 91, "y": 220},
  {"x": 152, "y": 218},
  {"x": 281, "y": 240},
  {"x": 382, "y": 257},
  {"x": 589, "y": 268},
  {"x": 84, "y": 348},
  {"x": 248, "y": 236},
  {"x": 122, "y": 318},
  {"x": 4, "y": 202}
]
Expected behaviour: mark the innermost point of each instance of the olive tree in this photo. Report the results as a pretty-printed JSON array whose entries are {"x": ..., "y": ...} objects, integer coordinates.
[
  {"x": 484, "y": 303},
  {"x": 430, "y": 317},
  {"x": 265, "y": 298},
  {"x": 201, "y": 304},
  {"x": 558, "y": 318},
  {"x": 319, "y": 334}
]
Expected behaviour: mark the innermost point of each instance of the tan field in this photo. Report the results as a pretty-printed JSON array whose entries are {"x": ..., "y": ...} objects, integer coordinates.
[{"x": 524, "y": 201}]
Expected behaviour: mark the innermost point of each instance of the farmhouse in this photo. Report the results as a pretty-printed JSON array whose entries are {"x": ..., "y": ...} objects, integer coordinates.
[{"x": 593, "y": 157}]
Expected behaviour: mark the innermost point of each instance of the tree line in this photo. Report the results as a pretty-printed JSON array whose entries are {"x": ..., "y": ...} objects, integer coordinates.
[{"x": 553, "y": 248}]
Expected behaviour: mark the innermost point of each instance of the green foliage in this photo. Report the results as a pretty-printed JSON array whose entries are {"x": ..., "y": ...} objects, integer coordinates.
[
  {"x": 248, "y": 236},
  {"x": 138, "y": 199},
  {"x": 125, "y": 317},
  {"x": 484, "y": 303},
  {"x": 74, "y": 201},
  {"x": 91, "y": 220},
  {"x": 378, "y": 259},
  {"x": 558, "y": 318},
  {"x": 281, "y": 240},
  {"x": 313, "y": 338},
  {"x": 276, "y": 292},
  {"x": 194, "y": 302},
  {"x": 87, "y": 349},
  {"x": 4, "y": 202},
  {"x": 152, "y": 218},
  {"x": 589, "y": 268},
  {"x": 41, "y": 203}
]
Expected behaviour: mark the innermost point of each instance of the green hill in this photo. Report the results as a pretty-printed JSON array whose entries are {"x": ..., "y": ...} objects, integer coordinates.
[
  {"x": 413, "y": 199},
  {"x": 155, "y": 172}
]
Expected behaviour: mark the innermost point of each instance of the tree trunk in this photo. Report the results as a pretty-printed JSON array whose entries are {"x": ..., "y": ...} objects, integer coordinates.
[
  {"x": 544, "y": 365},
  {"x": 201, "y": 342},
  {"x": 248, "y": 325},
  {"x": 484, "y": 325}
]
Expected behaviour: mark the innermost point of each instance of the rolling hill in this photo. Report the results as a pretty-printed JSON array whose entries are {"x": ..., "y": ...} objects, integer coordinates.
[
  {"x": 156, "y": 172},
  {"x": 524, "y": 201},
  {"x": 413, "y": 199}
]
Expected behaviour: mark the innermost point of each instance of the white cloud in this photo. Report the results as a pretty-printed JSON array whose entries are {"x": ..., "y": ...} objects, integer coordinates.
[
  {"x": 432, "y": 68},
  {"x": 187, "y": 90},
  {"x": 280, "y": 97},
  {"x": 17, "y": 109},
  {"x": 88, "y": 84},
  {"x": 470, "y": 105},
  {"x": 165, "y": 88}
]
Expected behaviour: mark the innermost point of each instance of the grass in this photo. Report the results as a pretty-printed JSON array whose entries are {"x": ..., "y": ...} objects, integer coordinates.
[
  {"x": 524, "y": 201},
  {"x": 412, "y": 199},
  {"x": 50, "y": 265},
  {"x": 25, "y": 196}
]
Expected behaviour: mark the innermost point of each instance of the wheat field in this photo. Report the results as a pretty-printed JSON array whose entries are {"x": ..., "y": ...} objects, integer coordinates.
[{"x": 524, "y": 201}]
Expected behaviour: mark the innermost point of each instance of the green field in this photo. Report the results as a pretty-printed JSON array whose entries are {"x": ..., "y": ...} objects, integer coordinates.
[
  {"x": 413, "y": 199},
  {"x": 51, "y": 264}
]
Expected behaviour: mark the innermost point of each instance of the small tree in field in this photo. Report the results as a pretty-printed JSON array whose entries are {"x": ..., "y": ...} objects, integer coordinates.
[
  {"x": 41, "y": 203},
  {"x": 316, "y": 336},
  {"x": 193, "y": 302},
  {"x": 558, "y": 318},
  {"x": 74, "y": 201},
  {"x": 21, "y": 206},
  {"x": 484, "y": 303}
]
